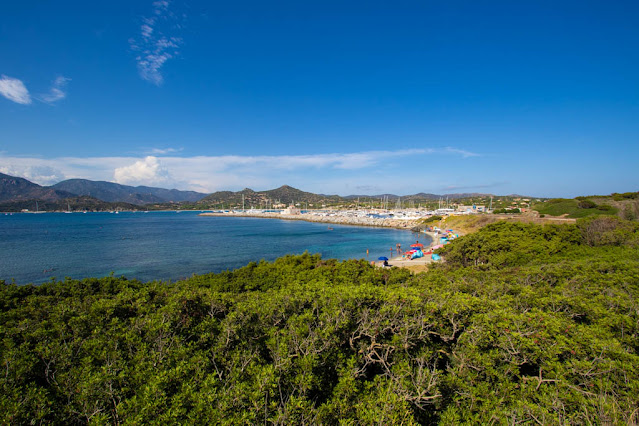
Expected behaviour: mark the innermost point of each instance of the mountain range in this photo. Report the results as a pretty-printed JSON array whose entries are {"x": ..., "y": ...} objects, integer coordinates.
[
  {"x": 113, "y": 192},
  {"x": 16, "y": 189}
]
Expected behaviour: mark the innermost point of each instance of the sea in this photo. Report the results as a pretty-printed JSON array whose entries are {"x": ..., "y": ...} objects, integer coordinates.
[{"x": 169, "y": 245}]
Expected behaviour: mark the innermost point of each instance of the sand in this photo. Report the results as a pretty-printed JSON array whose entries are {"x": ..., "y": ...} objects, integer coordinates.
[{"x": 415, "y": 265}]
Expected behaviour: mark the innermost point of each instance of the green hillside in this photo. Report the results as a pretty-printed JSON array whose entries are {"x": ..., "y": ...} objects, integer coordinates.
[
  {"x": 574, "y": 208},
  {"x": 624, "y": 205},
  {"x": 282, "y": 195},
  {"x": 521, "y": 324}
]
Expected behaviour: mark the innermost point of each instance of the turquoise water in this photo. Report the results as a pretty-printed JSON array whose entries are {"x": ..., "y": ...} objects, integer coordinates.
[{"x": 169, "y": 245}]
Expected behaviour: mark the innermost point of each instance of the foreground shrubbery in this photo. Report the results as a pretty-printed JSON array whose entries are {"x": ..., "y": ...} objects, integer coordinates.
[{"x": 521, "y": 324}]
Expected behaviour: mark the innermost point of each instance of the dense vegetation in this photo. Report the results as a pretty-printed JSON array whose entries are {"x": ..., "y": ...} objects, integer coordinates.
[{"x": 522, "y": 323}]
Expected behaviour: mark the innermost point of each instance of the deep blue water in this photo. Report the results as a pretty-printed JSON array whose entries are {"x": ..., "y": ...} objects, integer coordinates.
[{"x": 169, "y": 245}]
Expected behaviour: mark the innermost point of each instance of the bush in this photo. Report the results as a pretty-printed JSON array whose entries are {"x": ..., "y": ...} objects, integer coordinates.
[
  {"x": 506, "y": 211},
  {"x": 431, "y": 219},
  {"x": 607, "y": 231},
  {"x": 625, "y": 196},
  {"x": 586, "y": 204}
]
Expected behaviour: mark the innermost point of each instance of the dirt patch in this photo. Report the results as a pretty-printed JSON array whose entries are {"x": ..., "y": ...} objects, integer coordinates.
[{"x": 473, "y": 223}]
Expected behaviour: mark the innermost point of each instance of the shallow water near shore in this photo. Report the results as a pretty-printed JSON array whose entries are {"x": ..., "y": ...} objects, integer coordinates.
[{"x": 170, "y": 245}]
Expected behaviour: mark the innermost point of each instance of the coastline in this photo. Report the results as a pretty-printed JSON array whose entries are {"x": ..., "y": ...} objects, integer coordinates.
[{"x": 415, "y": 265}]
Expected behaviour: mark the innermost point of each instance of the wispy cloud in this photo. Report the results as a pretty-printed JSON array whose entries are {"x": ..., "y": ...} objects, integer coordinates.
[
  {"x": 57, "y": 92},
  {"x": 14, "y": 90},
  {"x": 327, "y": 173},
  {"x": 461, "y": 152},
  {"x": 164, "y": 151},
  {"x": 153, "y": 47},
  {"x": 474, "y": 187}
]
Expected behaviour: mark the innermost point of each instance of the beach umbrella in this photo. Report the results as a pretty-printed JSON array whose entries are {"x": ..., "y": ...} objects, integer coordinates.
[
  {"x": 417, "y": 245},
  {"x": 382, "y": 258}
]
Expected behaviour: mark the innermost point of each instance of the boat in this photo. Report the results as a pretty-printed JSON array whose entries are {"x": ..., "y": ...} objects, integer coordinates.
[{"x": 37, "y": 209}]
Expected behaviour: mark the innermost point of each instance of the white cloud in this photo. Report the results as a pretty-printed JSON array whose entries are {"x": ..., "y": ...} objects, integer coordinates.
[
  {"x": 148, "y": 171},
  {"x": 14, "y": 90},
  {"x": 326, "y": 173},
  {"x": 154, "y": 48},
  {"x": 42, "y": 174},
  {"x": 57, "y": 91}
]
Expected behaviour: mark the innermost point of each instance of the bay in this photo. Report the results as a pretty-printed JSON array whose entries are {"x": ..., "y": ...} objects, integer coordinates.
[{"x": 170, "y": 245}]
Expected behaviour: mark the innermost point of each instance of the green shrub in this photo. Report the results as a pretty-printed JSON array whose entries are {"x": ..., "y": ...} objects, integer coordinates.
[
  {"x": 435, "y": 218},
  {"x": 607, "y": 230},
  {"x": 625, "y": 196},
  {"x": 586, "y": 204}
]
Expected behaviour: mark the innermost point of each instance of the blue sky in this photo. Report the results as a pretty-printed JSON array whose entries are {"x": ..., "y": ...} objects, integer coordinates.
[{"x": 538, "y": 98}]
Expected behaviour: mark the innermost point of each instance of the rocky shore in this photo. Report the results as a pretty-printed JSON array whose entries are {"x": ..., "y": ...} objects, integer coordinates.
[{"x": 337, "y": 220}]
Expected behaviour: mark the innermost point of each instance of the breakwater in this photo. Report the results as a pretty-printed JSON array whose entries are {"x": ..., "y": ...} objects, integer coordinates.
[{"x": 328, "y": 219}]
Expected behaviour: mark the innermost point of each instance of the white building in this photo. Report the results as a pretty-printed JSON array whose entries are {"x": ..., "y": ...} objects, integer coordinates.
[
  {"x": 471, "y": 209},
  {"x": 291, "y": 210}
]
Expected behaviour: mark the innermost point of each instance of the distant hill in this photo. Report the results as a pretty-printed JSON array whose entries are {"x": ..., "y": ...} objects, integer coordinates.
[
  {"x": 419, "y": 196},
  {"x": 114, "y": 192},
  {"x": 15, "y": 189},
  {"x": 284, "y": 194},
  {"x": 287, "y": 194}
]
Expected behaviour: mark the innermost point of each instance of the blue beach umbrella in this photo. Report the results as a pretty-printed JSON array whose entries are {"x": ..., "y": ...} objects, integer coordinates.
[{"x": 382, "y": 258}]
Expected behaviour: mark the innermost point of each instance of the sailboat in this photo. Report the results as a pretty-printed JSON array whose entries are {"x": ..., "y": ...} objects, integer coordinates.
[
  {"x": 38, "y": 209},
  {"x": 68, "y": 208}
]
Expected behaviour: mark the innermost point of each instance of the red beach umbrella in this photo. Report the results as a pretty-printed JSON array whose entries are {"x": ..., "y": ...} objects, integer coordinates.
[{"x": 417, "y": 245}]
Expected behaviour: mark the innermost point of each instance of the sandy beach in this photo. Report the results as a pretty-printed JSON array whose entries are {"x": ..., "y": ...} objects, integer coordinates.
[{"x": 415, "y": 265}]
